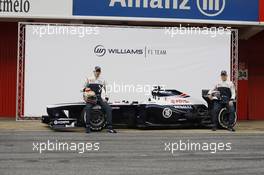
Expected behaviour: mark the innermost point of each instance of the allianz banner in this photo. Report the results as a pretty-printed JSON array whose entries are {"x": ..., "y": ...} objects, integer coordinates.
[{"x": 227, "y": 10}]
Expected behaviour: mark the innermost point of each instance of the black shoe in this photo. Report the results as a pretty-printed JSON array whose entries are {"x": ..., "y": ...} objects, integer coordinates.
[
  {"x": 214, "y": 128},
  {"x": 88, "y": 129},
  {"x": 231, "y": 129},
  {"x": 111, "y": 131}
]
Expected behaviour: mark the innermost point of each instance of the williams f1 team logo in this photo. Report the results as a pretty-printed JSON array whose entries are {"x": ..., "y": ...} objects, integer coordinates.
[
  {"x": 211, "y": 7},
  {"x": 100, "y": 50}
]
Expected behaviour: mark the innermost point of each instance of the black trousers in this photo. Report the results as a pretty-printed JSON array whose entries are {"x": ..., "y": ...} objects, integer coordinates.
[
  {"x": 217, "y": 106},
  {"x": 105, "y": 107}
]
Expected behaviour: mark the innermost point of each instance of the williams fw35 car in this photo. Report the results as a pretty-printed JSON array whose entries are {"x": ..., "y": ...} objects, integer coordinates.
[{"x": 165, "y": 109}]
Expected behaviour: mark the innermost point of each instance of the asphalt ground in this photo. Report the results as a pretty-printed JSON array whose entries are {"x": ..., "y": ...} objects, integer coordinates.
[{"x": 24, "y": 150}]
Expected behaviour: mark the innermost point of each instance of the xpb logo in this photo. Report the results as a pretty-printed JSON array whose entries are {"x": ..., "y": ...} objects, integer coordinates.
[
  {"x": 211, "y": 7},
  {"x": 99, "y": 50}
]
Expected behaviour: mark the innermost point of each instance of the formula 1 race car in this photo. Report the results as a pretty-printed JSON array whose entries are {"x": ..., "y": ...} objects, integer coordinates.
[{"x": 167, "y": 108}]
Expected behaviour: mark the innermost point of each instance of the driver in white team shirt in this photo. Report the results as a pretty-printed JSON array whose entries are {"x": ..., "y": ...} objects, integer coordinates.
[
  {"x": 217, "y": 105},
  {"x": 97, "y": 79}
]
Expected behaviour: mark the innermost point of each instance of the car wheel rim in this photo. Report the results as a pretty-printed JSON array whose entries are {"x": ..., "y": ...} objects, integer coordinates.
[
  {"x": 223, "y": 118},
  {"x": 97, "y": 119}
]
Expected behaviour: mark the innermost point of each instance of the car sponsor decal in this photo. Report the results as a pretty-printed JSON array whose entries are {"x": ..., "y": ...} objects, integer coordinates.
[
  {"x": 179, "y": 101},
  {"x": 167, "y": 113}
]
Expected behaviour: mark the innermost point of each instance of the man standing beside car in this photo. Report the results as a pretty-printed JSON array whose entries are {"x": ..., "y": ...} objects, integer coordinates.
[
  {"x": 96, "y": 79},
  {"x": 217, "y": 105}
]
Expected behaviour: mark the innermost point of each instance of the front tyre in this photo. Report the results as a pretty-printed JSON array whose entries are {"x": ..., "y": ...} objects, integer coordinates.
[
  {"x": 98, "y": 120},
  {"x": 223, "y": 118}
]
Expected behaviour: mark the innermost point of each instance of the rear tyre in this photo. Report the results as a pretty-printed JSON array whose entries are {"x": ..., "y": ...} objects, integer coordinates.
[
  {"x": 98, "y": 120},
  {"x": 223, "y": 118}
]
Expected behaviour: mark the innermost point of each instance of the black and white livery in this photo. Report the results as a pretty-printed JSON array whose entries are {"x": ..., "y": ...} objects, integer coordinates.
[{"x": 167, "y": 108}]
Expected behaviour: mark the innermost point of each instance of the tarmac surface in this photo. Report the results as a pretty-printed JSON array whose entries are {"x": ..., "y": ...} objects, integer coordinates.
[{"x": 130, "y": 152}]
